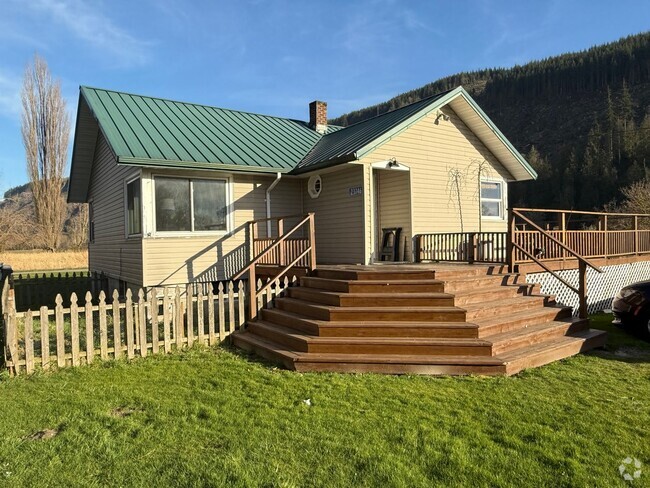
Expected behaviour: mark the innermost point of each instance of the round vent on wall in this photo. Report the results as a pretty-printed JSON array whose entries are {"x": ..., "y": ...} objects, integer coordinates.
[{"x": 314, "y": 186}]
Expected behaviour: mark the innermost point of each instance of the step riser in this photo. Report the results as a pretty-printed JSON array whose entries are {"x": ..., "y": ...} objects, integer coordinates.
[
  {"x": 399, "y": 369},
  {"x": 572, "y": 349},
  {"x": 509, "y": 325},
  {"x": 387, "y": 301},
  {"x": 450, "y": 274},
  {"x": 493, "y": 311},
  {"x": 540, "y": 336},
  {"x": 373, "y": 275},
  {"x": 241, "y": 342},
  {"x": 306, "y": 327},
  {"x": 360, "y": 287}
]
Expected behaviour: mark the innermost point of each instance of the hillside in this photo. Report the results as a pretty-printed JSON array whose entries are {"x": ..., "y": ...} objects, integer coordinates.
[{"x": 553, "y": 105}]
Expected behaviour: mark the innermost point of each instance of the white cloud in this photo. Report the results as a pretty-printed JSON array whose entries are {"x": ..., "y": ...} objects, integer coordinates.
[{"x": 87, "y": 22}]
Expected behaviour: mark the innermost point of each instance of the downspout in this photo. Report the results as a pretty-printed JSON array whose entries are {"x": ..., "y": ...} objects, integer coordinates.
[{"x": 278, "y": 176}]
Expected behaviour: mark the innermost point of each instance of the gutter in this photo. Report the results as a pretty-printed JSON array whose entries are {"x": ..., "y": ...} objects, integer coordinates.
[{"x": 278, "y": 176}]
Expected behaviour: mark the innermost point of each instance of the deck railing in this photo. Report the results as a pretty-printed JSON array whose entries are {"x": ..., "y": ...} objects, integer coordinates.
[
  {"x": 287, "y": 250},
  {"x": 467, "y": 247},
  {"x": 590, "y": 234}
]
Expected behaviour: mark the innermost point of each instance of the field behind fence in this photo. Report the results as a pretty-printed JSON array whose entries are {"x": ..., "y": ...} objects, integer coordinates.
[{"x": 114, "y": 327}]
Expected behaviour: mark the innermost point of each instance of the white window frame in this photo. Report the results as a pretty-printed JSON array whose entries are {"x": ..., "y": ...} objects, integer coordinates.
[
  {"x": 193, "y": 233},
  {"x": 127, "y": 182},
  {"x": 502, "y": 200}
]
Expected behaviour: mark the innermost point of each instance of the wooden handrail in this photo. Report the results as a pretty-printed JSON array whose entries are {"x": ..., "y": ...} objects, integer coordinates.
[
  {"x": 256, "y": 221},
  {"x": 272, "y": 246},
  {"x": 556, "y": 241},
  {"x": 249, "y": 269},
  {"x": 583, "y": 262}
]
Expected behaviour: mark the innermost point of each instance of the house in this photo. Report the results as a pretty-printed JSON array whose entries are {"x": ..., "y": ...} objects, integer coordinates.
[{"x": 172, "y": 185}]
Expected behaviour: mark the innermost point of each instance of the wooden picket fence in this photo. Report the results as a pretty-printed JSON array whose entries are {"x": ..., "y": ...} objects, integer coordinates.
[{"x": 155, "y": 322}]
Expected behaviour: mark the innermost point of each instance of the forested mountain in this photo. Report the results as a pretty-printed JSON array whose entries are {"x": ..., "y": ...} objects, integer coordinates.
[{"x": 583, "y": 119}]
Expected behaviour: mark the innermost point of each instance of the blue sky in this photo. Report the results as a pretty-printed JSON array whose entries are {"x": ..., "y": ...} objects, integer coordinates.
[{"x": 275, "y": 56}]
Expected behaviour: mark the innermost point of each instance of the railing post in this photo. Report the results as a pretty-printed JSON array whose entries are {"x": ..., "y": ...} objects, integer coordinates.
[
  {"x": 418, "y": 249},
  {"x": 563, "y": 228},
  {"x": 605, "y": 233},
  {"x": 251, "y": 241},
  {"x": 252, "y": 293},
  {"x": 471, "y": 248},
  {"x": 510, "y": 248},
  {"x": 636, "y": 234},
  {"x": 582, "y": 289},
  {"x": 282, "y": 247},
  {"x": 312, "y": 242}
]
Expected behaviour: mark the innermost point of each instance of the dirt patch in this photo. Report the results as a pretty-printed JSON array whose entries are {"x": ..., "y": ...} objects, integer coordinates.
[
  {"x": 122, "y": 412},
  {"x": 43, "y": 435}
]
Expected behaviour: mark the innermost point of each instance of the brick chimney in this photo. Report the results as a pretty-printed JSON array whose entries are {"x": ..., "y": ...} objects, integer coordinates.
[{"x": 318, "y": 116}]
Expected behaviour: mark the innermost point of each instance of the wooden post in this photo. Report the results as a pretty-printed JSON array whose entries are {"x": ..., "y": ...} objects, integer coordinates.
[
  {"x": 563, "y": 229},
  {"x": 153, "y": 311},
  {"x": 103, "y": 329},
  {"x": 29, "y": 342},
  {"x": 312, "y": 241},
  {"x": 231, "y": 307},
  {"x": 605, "y": 233},
  {"x": 510, "y": 248},
  {"x": 117, "y": 325},
  {"x": 251, "y": 241},
  {"x": 582, "y": 290},
  {"x": 222, "y": 313},
  {"x": 130, "y": 335},
  {"x": 189, "y": 311},
  {"x": 252, "y": 293},
  {"x": 74, "y": 329},
  {"x": 241, "y": 316},
  {"x": 636, "y": 234},
  {"x": 178, "y": 318},
  {"x": 167, "y": 309},
  {"x": 60, "y": 338},
  {"x": 283, "y": 245}
]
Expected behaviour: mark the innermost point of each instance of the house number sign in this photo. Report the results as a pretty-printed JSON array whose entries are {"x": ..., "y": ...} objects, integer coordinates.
[{"x": 355, "y": 190}]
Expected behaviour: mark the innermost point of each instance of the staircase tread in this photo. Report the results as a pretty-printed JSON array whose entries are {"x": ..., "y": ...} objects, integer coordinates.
[
  {"x": 530, "y": 329},
  {"x": 381, "y": 282},
  {"x": 486, "y": 277},
  {"x": 504, "y": 301},
  {"x": 370, "y": 323},
  {"x": 373, "y": 340},
  {"x": 527, "y": 351},
  {"x": 433, "y": 294},
  {"x": 371, "y": 309},
  {"x": 489, "y": 321},
  {"x": 263, "y": 342}
]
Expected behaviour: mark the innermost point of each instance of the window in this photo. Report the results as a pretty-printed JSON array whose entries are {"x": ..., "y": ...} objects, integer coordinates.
[
  {"x": 133, "y": 208},
  {"x": 189, "y": 205},
  {"x": 492, "y": 199},
  {"x": 314, "y": 186}
]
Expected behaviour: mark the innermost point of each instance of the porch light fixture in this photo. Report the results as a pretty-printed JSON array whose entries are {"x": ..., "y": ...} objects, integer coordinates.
[
  {"x": 392, "y": 162},
  {"x": 440, "y": 115}
]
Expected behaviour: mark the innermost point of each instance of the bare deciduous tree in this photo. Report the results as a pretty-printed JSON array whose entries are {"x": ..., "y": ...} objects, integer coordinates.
[
  {"x": 78, "y": 225},
  {"x": 46, "y": 131},
  {"x": 16, "y": 226}
]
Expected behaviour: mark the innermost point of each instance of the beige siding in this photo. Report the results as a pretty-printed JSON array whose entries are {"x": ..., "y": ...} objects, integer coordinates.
[
  {"x": 111, "y": 252},
  {"x": 339, "y": 216},
  {"x": 393, "y": 205},
  {"x": 431, "y": 150},
  {"x": 174, "y": 260}
]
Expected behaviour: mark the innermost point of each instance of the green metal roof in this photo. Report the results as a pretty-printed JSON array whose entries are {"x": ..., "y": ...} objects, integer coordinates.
[
  {"x": 151, "y": 131},
  {"x": 147, "y": 130},
  {"x": 342, "y": 146}
]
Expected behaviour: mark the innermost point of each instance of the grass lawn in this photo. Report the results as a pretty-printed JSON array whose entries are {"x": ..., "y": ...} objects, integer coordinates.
[{"x": 214, "y": 418}]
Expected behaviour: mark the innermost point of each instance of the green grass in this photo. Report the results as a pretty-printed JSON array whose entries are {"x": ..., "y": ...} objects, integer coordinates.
[{"x": 215, "y": 418}]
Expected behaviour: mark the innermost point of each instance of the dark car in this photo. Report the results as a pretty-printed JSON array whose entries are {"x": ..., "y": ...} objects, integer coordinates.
[{"x": 631, "y": 308}]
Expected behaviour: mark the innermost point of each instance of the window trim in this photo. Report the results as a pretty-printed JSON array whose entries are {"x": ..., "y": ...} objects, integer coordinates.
[
  {"x": 127, "y": 182},
  {"x": 193, "y": 233},
  {"x": 501, "y": 201}
]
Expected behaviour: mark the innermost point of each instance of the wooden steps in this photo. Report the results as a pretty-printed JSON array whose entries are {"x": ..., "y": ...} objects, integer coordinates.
[{"x": 412, "y": 320}]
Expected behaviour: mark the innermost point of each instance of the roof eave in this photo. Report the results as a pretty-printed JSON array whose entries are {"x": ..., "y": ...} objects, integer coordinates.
[
  {"x": 346, "y": 158},
  {"x": 164, "y": 163}
]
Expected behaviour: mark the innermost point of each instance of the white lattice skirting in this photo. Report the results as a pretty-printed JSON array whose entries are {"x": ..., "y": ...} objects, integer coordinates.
[{"x": 601, "y": 287}]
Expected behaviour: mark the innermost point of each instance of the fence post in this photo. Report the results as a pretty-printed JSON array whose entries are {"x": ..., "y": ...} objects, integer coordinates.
[
  {"x": 252, "y": 293},
  {"x": 582, "y": 290},
  {"x": 10, "y": 338},
  {"x": 606, "y": 246}
]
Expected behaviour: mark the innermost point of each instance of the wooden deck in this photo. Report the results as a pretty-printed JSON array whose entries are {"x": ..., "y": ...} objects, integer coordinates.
[{"x": 416, "y": 319}]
